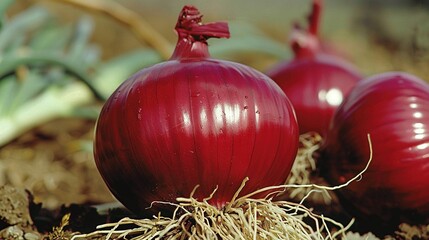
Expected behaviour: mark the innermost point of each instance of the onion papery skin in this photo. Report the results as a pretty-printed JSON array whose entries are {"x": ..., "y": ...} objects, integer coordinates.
[
  {"x": 316, "y": 86},
  {"x": 194, "y": 120},
  {"x": 393, "y": 108}
]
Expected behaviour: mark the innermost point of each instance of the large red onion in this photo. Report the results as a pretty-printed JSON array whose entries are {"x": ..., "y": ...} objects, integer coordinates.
[
  {"x": 394, "y": 109},
  {"x": 315, "y": 81},
  {"x": 194, "y": 120}
]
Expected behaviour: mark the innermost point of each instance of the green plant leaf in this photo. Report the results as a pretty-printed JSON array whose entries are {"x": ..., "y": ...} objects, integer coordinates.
[
  {"x": 80, "y": 38},
  {"x": 22, "y": 23},
  {"x": 54, "y": 102},
  {"x": 8, "y": 88},
  {"x": 241, "y": 28},
  {"x": 249, "y": 45},
  {"x": 16, "y": 44},
  {"x": 85, "y": 112},
  {"x": 51, "y": 38},
  {"x": 112, "y": 73},
  {"x": 4, "y": 6},
  {"x": 29, "y": 87},
  {"x": 33, "y": 58},
  {"x": 45, "y": 71},
  {"x": 247, "y": 39}
]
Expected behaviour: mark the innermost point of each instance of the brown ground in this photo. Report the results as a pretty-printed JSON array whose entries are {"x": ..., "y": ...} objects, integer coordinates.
[{"x": 48, "y": 173}]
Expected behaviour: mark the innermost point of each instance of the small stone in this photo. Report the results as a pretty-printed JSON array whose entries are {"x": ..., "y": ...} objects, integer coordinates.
[
  {"x": 32, "y": 236},
  {"x": 12, "y": 232}
]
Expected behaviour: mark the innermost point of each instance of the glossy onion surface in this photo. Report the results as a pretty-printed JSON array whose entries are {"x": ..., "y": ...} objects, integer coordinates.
[
  {"x": 394, "y": 109},
  {"x": 316, "y": 87},
  {"x": 315, "y": 80},
  {"x": 193, "y": 121}
]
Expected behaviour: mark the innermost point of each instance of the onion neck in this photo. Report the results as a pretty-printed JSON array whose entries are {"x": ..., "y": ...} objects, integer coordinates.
[
  {"x": 305, "y": 43},
  {"x": 188, "y": 48},
  {"x": 193, "y": 35}
]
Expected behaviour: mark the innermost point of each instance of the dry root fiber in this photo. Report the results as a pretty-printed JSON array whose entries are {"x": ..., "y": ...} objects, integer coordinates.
[
  {"x": 242, "y": 218},
  {"x": 304, "y": 164},
  {"x": 304, "y": 172}
]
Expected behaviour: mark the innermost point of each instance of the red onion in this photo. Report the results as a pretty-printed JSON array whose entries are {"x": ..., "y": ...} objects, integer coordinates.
[
  {"x": 394, "y": 109},
  {"x": 194, "y": 120},
  {"x": 315, "y": 81}
]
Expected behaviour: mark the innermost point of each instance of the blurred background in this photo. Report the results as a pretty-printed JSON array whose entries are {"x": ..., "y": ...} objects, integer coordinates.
[
  {"x": 377, "y": 35},
  {"x": 60, "y": 60}
]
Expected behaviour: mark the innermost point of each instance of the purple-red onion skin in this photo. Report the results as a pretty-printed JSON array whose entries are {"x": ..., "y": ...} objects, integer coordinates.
[
  {"x": 194, "y": 121},
  {"x": 316, "y": 86},
  {"x": 394, "y": 109},
  {"x": 317, "y": 79},
  {"x": 190, "y": 122}
]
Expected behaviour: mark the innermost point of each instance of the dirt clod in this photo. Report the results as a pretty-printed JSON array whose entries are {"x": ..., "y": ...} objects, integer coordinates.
[
  {"x": 15, "y": 217},
  {"x": 14, "y": 207}
]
